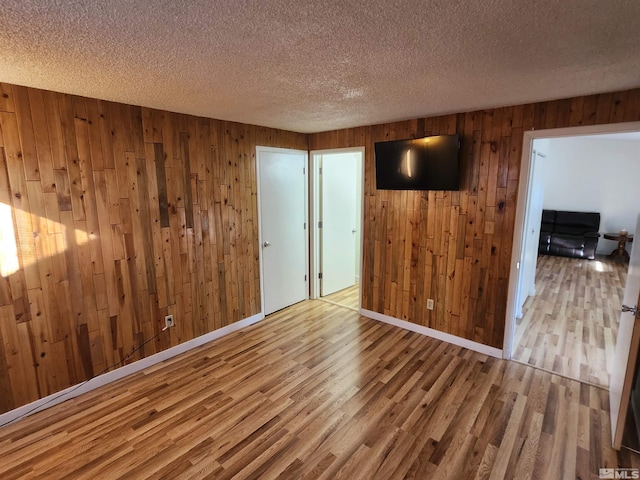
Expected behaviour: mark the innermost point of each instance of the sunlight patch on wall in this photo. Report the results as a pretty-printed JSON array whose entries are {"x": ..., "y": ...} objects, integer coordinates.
[
  {"x": 31, "y": 226},
  {"x": 8, "y": 248}
]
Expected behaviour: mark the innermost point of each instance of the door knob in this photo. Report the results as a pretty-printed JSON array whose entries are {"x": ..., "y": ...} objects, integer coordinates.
[
  {"x": 266, "y": 244},
  {"x": 354, "y": 230},
  {"x": 626, "y": 308}
]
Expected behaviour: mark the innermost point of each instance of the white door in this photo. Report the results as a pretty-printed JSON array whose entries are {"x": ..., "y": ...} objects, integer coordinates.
[
  {"x": 626, "y": 352},
  {"x": 282, "y": 197},
  {"x": 531, "y": 237},
  {"x": 339, "y": 234}
]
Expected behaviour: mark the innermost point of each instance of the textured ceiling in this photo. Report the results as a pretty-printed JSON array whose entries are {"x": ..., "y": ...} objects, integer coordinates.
[{"x": 312, "y": 65}]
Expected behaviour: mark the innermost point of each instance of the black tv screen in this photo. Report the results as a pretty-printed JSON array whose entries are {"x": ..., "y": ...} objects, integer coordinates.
[{"x": 429, "y": 163}]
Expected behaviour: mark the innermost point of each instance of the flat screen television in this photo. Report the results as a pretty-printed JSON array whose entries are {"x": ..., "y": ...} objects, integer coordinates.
[{"x": 429, "y": 163}]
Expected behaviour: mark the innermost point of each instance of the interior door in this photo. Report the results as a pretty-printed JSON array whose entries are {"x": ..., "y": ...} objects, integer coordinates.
[
  {"x": 626, "y": 348},
  {"x": 283, "y": 235},
  {"x": 533, "y": 217},
  {"x": 339, "y": 232}
]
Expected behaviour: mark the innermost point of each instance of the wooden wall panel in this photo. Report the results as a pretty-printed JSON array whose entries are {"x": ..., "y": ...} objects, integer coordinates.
[
  {"x": 119, "y": 215},
  {"x": 455, "y": 247}
]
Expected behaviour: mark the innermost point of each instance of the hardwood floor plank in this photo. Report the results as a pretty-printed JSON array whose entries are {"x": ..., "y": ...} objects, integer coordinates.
[
  {"x": 570, "y": 326},
  {"x": 317, "y": 391},
  {"x": 348, "y": 297}
]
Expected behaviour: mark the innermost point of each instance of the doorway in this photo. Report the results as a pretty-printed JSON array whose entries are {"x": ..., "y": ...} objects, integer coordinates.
[
  {"x": 337, "y": 225},
  {"x": 624, "y": 353},
  {"x": 571, "y": 326},
  {"x": 282, "y": 220}
]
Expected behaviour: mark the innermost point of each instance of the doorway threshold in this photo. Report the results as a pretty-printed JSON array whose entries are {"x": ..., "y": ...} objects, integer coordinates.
[{"x": 542, "y": 369}]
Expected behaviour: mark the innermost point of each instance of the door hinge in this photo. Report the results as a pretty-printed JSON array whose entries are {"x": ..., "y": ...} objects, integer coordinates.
[
  {"x": 304, "y": 170},
  {"x": 320, "y": 275},
  {"x": 305, "y": 278},
  {"x": 320, "y": 170},
  {"x": 319, "y": 224},
  {"x": 305, "y": 225}
]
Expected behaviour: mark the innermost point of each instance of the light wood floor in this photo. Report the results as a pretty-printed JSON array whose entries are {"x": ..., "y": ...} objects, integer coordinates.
[
  {"x": 571, "y": 324},
  {"x": 316, "y": 391},
  {"x": 349, "y": 297}
]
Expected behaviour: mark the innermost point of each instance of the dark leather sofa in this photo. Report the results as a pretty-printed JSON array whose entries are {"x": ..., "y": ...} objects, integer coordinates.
[{"x": 569, "y": 234}]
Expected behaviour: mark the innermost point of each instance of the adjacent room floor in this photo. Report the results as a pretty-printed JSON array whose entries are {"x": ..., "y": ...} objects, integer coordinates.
[
  {"x": 349, "y": 297},
  {"x": 571, "y": 324},
  {"x": 317, "y": 391}
]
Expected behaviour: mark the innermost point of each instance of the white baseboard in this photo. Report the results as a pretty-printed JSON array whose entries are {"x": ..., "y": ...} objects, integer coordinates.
[
  {"x": 117, "y": 374},
  {"x": 430, "y": 332}
]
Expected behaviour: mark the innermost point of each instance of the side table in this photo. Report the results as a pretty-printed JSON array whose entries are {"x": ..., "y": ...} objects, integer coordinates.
[{"x": 619, "y": 253}]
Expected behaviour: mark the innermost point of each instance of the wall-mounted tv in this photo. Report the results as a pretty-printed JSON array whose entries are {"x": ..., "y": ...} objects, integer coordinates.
[{"x": 429, "y": 163}]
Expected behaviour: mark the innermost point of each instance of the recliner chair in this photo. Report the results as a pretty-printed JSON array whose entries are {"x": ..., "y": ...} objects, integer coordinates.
[{"x": 569, "y": 234}]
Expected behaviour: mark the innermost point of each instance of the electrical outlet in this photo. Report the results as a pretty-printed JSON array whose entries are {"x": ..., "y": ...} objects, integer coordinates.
[
  {"x": 168, "y": 321},
  {"x": 430, "y": 304}
]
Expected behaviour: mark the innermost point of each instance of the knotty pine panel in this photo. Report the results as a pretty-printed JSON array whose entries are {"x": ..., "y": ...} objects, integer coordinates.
[
  {"x": 119, "y": 215},
  {"x": 455, "y": 247}
]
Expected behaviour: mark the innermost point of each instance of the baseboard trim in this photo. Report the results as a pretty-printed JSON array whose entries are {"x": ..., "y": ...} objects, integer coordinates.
[
  {"x": 109, "y": 377},
  {"x": 437, "y": 334}
]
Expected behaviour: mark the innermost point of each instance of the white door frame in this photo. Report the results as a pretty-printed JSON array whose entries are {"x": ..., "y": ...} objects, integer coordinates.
[
  {"x": 314, "y": 182},
  {"x": 522, "y": 203},
  {"x": 260, "y": 149}
]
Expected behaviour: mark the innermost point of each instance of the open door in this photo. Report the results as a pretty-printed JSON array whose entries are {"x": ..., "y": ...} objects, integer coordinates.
[
  {"x": 340, "y": 221},
  {"x": 626, "y": 352},
  {"x": 531, "y": 234}
]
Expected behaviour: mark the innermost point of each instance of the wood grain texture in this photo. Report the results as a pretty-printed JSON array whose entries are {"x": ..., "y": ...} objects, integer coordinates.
[
  {"x": 348, "y": 297},
  {"x": 316, "y": 391},
  {"x": 570, "y": 326},
  {"x": 119, "y": 215},
  {"x": 455, "y": 247}
]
